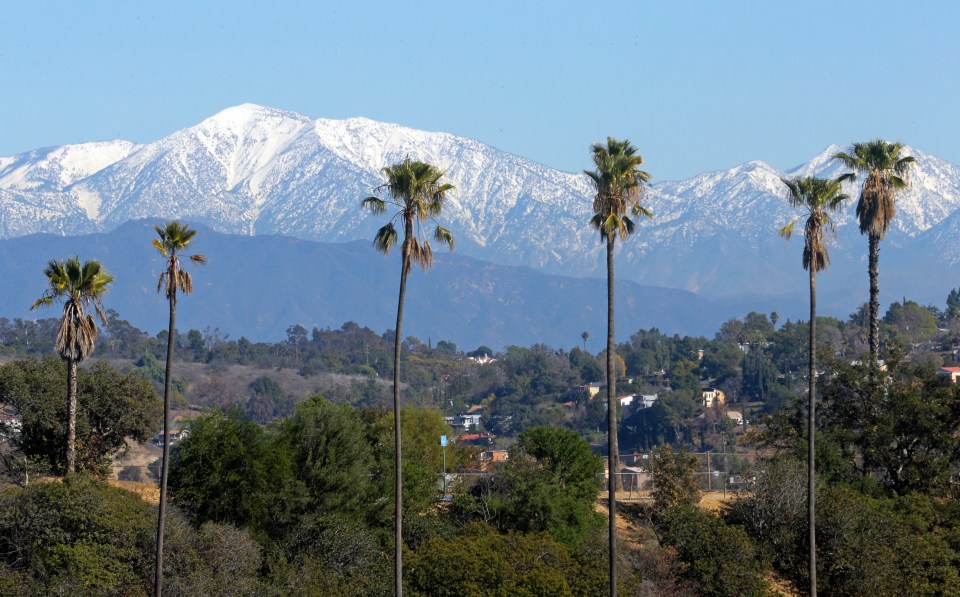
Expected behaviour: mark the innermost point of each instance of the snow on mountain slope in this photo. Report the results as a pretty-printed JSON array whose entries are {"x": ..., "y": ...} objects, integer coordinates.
[
  {"x": 257, "y": 170},
  {"x": 55, "y": 168}
]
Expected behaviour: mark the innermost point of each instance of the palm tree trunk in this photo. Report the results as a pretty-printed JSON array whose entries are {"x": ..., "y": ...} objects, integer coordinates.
[
  {"x": 874, "y": 272},
  {"x": 161, "y": 518},
  {"x": 611, "y": 424},
  {"x": 71, "y": 416},
  {"x": 398, "y": 470},
  {"x": 811, "y": 435}
]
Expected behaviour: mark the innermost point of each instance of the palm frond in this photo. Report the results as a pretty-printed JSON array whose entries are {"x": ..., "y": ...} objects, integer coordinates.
[
  {"x": 386, "y": 238},
  {"x": 374, "y": 204},
  {"x": 41, "y": 302},
  {"x": 787, "y": 231},
  {"x": 442, "y": 235},
  {"x": 639, "y": 210}
]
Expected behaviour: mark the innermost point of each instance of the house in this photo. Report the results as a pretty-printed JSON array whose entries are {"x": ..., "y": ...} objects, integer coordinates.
[
  {"x": 880, "y": 365},
  {"x": 952, "y": 373},
  {"x": 463, "y": 422},
  {"x": 175, "y": 437},
  {"x": 713, "y": 397},
  {"x": 483, "y": 359},
  {"x": 487, "y": 459},
  {"x": 494, "y": 456},
  {"x": 476, "y": 439},
  {"x": 475, "y": 409},
  {"x": 11, "y": 423},
  {"x": 593, "y": 388},
  {"x": 737, "y": 416},
  {"x": 647, "y": 400}
]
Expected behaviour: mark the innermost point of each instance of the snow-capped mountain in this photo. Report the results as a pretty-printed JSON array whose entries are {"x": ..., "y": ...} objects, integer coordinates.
[{"x": 257, "y": 170}]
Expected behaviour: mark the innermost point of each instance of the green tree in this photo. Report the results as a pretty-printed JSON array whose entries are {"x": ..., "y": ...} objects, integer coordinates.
[
  {"x": 720, "y": 557},
  {"x": 550, "y": 489},
  {"x": 174, "y": 239},
  {"x": 907, "y": 427},
  {"x": 674, "y": 483},
  {"x": 111, "y": 406},
  {"x": 333, "y": 457},
  {"x": 817, "y": 198},
  {"x": 567, "y": 457},
  {"x": 911, "y": 322},
  {"x": 416, "y": 191},
  {"x": 80, "y": 287},
  {"x": 953, "y": 304},
  {"x": 230, "y": 470},
  {"x": 619, "y": 182},
  {"x": 885, "y": 174}
]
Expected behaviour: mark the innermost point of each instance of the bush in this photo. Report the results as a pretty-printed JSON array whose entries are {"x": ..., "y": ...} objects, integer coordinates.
[
  {"x": 481, "y": 561},
  {"x": 80, "y": 536},
  {"x": 721, "y": 558}
]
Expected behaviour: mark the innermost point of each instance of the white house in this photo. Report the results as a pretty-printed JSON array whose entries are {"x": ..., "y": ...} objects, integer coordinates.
[{"x": 464, "y": 422}]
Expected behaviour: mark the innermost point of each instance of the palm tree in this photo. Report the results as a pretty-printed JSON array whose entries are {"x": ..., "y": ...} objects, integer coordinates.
[
  {"x": 818, "y": 198},
  {"x": 416, "y": 191},
  {"x": 885, "y": 174},
  {"x": 80, "y": 287},
  {"x": 619, "y": 183},
  {"x": 174, "y": 238}
]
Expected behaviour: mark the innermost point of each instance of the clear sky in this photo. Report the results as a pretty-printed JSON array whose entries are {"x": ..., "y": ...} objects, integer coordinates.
[{"x": 697, "y": 86}]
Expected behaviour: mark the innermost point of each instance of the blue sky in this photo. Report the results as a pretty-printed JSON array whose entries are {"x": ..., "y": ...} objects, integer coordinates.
[{"x": 697, "y": 86}]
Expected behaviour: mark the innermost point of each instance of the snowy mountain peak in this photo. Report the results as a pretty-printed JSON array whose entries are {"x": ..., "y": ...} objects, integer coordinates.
[{"x": 253, "y": 169}]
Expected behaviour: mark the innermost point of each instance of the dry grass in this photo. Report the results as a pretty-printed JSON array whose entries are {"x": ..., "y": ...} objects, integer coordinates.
[{"x": 147, "y": 490}]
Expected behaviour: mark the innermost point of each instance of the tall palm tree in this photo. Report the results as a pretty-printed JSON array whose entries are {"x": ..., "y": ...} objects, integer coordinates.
[
  {"x": 174, "y": 238},
  {"x": 619, "y": 184},
  {"x": 885, "y": 174},
  {"x": 817, "y": 198},
  {"x": 81, "y": 287},
  {"x": 418, "y": 195}
]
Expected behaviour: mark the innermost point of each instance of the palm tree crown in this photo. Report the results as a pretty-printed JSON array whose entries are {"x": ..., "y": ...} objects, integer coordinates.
[
  {"x": 415, "y": 189},
  {"x": 81, "y": 287},
  {"x": 174, "y": 238},
  {"x": 885, "y": 172},
  {"x": 619, "y": 182},
  {"x": 817, "y": 198}
]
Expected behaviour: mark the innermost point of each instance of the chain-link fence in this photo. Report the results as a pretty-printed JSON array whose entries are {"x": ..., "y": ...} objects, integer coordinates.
[{"x": 716, "y": 472}]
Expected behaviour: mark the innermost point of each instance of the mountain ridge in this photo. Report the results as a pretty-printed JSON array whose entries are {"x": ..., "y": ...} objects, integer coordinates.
[
  {"x": 257, "y": 170},
  {"x": 257, "y": 286}
]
